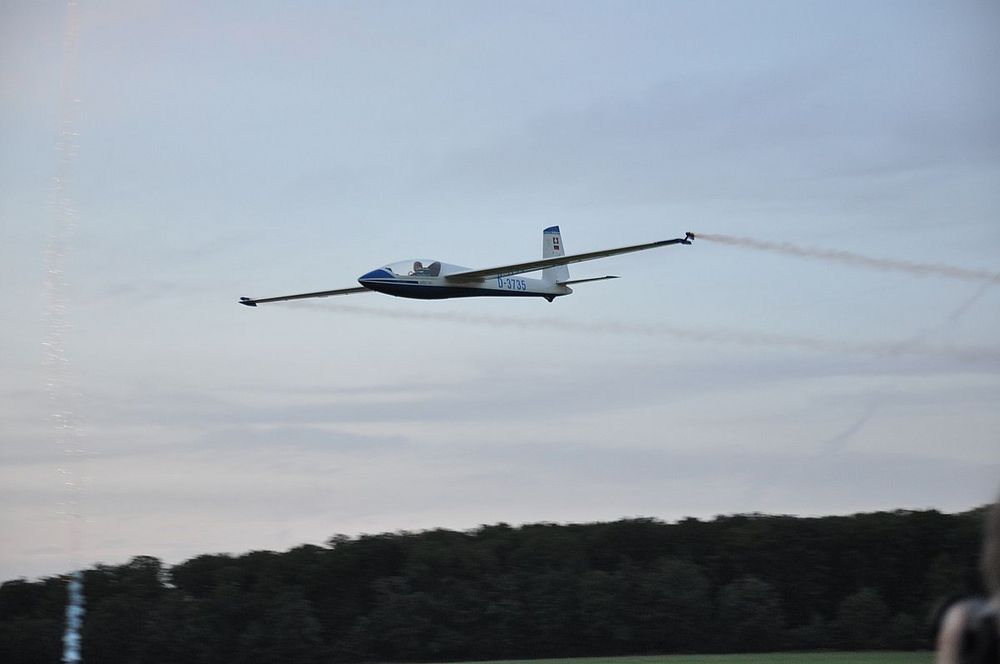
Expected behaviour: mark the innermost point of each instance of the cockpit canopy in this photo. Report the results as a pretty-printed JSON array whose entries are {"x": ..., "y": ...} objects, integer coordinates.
[{"x": 420, "y": 267}]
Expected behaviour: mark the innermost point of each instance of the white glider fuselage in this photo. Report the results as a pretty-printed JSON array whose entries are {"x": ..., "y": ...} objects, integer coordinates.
[{"x": 428, "y": 280}]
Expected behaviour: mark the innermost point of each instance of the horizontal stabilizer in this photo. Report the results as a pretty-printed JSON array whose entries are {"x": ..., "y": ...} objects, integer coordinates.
[{"x": 583, "y": 281}]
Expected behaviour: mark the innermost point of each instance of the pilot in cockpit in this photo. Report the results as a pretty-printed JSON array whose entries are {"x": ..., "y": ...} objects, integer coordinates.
[{"x": 432, "y": 270}]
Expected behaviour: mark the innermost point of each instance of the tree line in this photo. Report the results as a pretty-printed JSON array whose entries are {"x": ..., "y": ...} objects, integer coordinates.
[{"x": 636, "y": 586}]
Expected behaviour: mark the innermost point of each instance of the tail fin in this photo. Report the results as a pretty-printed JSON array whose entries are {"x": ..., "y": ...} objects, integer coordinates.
[{"x": 552, "y": 246}]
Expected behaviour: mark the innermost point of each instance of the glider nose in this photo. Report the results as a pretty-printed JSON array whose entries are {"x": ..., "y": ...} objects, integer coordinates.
[{"x": 380, "y": 273}]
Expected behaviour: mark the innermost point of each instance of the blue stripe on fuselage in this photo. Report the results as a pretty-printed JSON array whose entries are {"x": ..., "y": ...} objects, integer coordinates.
[
  {"x": 380, "y": 273},
  {"x": 403, "y": 289}
]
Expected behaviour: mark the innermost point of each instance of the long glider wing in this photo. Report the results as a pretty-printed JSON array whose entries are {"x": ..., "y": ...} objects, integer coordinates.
[
  {"x": 251, "y": 302},
  {"x": 532, "y": 266}
]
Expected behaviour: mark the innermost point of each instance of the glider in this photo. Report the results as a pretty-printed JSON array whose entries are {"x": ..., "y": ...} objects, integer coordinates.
[{"x": 434, "y": 280}]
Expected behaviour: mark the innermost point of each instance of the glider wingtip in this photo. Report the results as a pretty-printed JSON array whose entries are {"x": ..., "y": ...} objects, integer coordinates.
[{"x": 248, "y": 302}]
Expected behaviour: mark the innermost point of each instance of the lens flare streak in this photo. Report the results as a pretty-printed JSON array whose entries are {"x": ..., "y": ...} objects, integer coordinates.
[
  {"x": 74, "y": 620},
  {"x": 58, "y": 380}
]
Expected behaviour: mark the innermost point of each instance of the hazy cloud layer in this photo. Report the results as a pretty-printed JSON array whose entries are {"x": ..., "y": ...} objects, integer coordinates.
[{"x": 238, "y": 149}]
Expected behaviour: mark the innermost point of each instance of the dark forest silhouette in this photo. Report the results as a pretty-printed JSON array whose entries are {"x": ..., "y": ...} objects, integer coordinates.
[{"x": 637, "y": 586}]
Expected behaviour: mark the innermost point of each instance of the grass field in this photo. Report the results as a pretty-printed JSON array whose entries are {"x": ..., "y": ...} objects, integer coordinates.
[{"x": 762, "y": 658}]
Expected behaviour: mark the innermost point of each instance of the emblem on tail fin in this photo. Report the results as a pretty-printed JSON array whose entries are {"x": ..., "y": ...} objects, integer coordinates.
[{"x": 552, "y": 248}]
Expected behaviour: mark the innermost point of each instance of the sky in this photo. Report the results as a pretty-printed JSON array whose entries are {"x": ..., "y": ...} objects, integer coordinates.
[{"x": 162, "y": 159}]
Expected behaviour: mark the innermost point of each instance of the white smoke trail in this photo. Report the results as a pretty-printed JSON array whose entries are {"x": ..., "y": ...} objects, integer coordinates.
[
  {"x": 59, "y": 385},
  {"x": 860, "y": 260},
  {"x": 840, "y": 441},
  {"x": 722, "y": 336},
  {"x": 965, "y": 306}
]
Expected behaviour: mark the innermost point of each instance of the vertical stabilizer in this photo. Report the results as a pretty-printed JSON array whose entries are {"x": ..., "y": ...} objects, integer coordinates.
[{"x": 552, "y": 246}]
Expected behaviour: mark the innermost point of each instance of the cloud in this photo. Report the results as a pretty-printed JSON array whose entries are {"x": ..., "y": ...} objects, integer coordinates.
[
  {"x": 714, "y": 381},
  {"x": 747, "y": 136}
]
